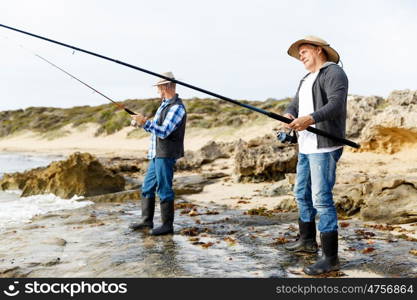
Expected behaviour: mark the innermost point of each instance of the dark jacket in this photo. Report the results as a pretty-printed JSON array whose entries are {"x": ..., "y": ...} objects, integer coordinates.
[
  {"x": 173, "y": 145},
  {"x": 330, "y": 90}
]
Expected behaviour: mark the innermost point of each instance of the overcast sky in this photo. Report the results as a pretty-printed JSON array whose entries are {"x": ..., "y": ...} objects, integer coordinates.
[{"x": 236, "y": 48}]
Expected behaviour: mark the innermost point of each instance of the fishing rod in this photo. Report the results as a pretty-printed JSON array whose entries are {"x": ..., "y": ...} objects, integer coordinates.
[
  {"x": 261, "y": 111},
  {"x": 119, "y": 105}
]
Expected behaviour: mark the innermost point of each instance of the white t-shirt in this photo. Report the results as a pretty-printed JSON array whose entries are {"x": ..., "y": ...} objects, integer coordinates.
[{"x": 307, "y": 141}]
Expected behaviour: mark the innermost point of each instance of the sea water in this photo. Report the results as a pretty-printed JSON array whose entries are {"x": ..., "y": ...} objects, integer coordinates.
[{"x": 15, "y": 210}]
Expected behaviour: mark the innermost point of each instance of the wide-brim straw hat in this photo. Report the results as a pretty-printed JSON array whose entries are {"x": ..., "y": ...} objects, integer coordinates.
[
  {"x": 332, "y": 54},
  {"x": 164, "y": 81}
]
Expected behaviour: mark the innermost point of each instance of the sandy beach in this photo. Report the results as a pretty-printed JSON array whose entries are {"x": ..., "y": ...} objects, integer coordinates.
[{"x": 70, "y": 139}]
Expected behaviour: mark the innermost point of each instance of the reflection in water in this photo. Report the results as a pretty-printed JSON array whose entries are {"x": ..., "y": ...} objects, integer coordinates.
[{"x": 160, "y": 255}]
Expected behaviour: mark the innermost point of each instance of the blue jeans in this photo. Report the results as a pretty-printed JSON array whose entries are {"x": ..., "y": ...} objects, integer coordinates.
[
  {"x": 159, "y": 179},
  {"x": 316, "y": 176}
]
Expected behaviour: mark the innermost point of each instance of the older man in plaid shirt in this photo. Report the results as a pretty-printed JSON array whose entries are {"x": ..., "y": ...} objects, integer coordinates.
[{"x": 167, "y": 145}]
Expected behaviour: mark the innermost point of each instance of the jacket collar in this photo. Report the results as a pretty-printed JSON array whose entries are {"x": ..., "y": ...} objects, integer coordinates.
[
  {"x": 325, "y": 65},
  {"x": 172, "y": 100}
]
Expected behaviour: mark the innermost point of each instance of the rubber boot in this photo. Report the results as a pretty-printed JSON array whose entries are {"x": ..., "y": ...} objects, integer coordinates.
[
  {"x": 148, "y": 210},
  {"x": 307, "y": 241},
  {"x": 167, "y": 216},
  {"x": 329, "y": 260}
]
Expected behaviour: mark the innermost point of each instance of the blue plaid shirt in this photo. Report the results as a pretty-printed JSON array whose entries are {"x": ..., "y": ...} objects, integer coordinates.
[{"x": 171, "y": 122}]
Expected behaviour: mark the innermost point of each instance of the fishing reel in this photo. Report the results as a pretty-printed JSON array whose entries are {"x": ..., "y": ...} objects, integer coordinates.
[{"x": 287, "y": 137}]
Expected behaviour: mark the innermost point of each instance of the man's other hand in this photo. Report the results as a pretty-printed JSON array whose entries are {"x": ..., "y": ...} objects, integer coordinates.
[
  {"x": 301, "y": 123},
  {"x": 289, "y": 116},
  {"x": 139, "y": 119}
]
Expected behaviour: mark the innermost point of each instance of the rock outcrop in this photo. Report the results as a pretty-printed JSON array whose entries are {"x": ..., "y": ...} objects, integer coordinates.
[
  {"x": 189, "y": 184},
  {"x": 81, "y": 174},
  {"x": 391, "y": 200},
  {"x": 207, "y": 154},
  {"x": 360, "y": 111},
  {"x": 395, "y": 202},
  {"x": 395, "y": 127},
  {"x": 264, "y": 159},
  {"x": 126, "y": 166}
]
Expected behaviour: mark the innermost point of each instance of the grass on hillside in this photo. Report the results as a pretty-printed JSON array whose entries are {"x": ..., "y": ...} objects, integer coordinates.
[{"x": 202, "y": 113}]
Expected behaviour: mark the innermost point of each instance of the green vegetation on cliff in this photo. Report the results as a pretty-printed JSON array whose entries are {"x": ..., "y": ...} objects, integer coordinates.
[{"x": 203, "y": 113}]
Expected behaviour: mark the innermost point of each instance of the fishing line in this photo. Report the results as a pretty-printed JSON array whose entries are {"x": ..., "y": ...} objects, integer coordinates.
[{"x": 119, "y": 105}]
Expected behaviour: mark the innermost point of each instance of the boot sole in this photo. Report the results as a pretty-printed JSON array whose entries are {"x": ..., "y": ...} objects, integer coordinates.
[
  {"x": 332, "y": 269},
  {"x": 302, "y": 251},
  {"x": 164, "y": 233},
  {"x": 141, "y": 228}
]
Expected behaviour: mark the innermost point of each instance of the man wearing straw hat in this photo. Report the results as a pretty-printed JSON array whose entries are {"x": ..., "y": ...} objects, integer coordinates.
[
  {"x": 167, "y": 145},
  {"x": 320, "y": 102}
]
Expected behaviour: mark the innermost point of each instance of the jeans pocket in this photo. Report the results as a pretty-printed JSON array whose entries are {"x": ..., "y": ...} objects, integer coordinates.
[{"x": 336, "y": 154}]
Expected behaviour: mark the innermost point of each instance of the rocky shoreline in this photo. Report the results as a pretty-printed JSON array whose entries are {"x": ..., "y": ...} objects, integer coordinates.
[
  {"x": 245, "y": 222},
  {"x": 234, "y": 208},
  {"x": 212, "y": 241}
]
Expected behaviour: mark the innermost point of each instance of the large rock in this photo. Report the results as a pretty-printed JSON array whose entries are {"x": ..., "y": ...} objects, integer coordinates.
[
  {"x": 393, "y": 128},
  {"x": 349, "y": 198},
  {"x": 360, "y": 110},
  {"x": 391, "y": 200},
  {"x": 403, "y": 97},
  {"x": 286, "y": 203},
  {"x": 264, "y": 159},
  {"x": 207, "y": 154},
  {"x": 126, "y": 166},
  {"x": 189, "y": 184},
  {"x": 81, "y": 174}
]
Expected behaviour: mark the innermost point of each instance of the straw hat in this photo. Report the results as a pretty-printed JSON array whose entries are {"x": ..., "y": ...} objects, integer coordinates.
[
  {"x": 164, "y": 81},
  {"x": 332, "y": 55}
]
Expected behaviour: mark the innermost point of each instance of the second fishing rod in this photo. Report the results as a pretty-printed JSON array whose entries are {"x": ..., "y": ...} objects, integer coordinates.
[
  {"x": 264, "y": 112},
  {"x": 119, "y": 105}
]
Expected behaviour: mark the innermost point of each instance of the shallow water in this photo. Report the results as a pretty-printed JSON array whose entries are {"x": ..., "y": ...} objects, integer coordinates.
[
  {"x": 15, "y": 210},
  {"x": 17, "y": 162},
  {"x": 95, "y": 242}
]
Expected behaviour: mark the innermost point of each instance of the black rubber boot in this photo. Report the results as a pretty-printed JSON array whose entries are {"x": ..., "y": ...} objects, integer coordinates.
[
  {"x": 307, "y": 241},
  {"x": 329, "y": 260},
  {"x": 167, "y": 216},
  {"x": 148, "y": 210}
]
